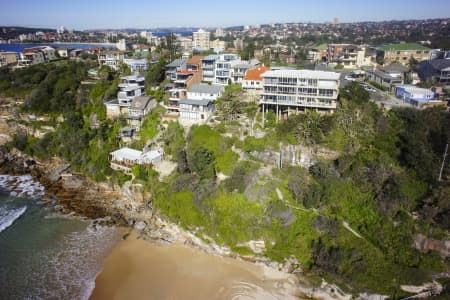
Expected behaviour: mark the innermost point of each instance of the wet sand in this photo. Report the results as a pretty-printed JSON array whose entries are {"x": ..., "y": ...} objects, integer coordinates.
[{"x": 137, "y": 269}]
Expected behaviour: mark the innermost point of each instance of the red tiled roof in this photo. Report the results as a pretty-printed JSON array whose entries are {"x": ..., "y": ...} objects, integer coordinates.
[{"x": 255, "y": 74}]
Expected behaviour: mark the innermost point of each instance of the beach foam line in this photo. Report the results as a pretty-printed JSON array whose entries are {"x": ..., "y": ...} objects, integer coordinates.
[{"x": 7, "y": 217}]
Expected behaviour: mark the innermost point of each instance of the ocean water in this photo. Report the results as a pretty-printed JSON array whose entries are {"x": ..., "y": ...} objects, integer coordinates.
[
  {"x": 44, "y": 254},
  {"x": 20, "y": 47}
]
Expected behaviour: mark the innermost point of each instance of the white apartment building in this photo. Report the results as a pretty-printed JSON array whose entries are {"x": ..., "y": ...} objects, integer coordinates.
[
  {"x": 223, "y": 67},
  {"x": 200, "y": 39},
  {"x": 288, "y": 91}
]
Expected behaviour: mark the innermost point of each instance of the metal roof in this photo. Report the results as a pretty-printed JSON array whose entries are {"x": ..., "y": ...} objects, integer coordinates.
[
  {"x": 211, "y": 57},
  {"x": 176, "y": 63},
  {"x": 303, "y": 74},
  {"x": 127, "y": 153},
  {"x": 206, "y": 88}
]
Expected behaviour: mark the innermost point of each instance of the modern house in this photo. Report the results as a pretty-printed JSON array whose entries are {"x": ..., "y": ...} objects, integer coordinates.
[
  {"x": 36, "y": 55},
  {"x": 129, "y": 87},
  {"x": 388, "y": 76},
  {"x": 7, "y": 58},
  {"x": 111, "y": 58},
  {"x": 287, "y": 91},
  {"x": 136, "y": 65},
  {"x": 401, "y": 53},
  {"x": 253, "y": 79},
  {"x": 223, "y": 68},
  {"x": 126, "y": 158},
  {"x": 414, "y": 95},
  {"x": 175, "y": 66},
  {"x": 199, "y": 105},
  {"x": 208, "y": 67},
  {"x": 196, "y": 111},
  {"x": 140, "y": 106},
  {"x": 435, "y": 70}
]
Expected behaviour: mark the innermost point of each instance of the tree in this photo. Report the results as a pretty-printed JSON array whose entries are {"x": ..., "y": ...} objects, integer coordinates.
[
  {"x": 155, "y": 74},
  {"x": 201, "y": 161},
  {"x": 173, "y": 138},
  {"x": 124, "y": 69},
  {"x": 230, "y": 106},
  {"x": 413, "y": 64}
]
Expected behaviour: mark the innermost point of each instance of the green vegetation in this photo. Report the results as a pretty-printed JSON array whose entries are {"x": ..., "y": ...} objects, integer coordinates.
[
  {"x": 384, "y": 172},
  {"x": 149, "y": 127},
  {"x": 203, "y": 138}
]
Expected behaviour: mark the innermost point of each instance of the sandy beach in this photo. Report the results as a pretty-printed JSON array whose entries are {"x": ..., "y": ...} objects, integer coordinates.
[{"x": 137, "y": 269}]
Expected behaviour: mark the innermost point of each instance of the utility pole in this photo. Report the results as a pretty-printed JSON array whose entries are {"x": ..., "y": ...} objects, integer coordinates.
[{"x": 443, "y": 163}]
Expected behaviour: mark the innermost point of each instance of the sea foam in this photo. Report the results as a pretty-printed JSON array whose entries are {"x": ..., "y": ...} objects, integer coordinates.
[{"x": 8, "y": 216}]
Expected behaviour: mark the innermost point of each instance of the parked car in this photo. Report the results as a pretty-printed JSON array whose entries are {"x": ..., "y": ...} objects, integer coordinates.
[
  {"x": 370, "y": 89},
  {"x": 349, "y": 78}
]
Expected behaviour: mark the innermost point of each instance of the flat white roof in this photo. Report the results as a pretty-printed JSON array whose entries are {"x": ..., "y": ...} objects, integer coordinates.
[
  {"x": 152, "y": 154},
  {"x": 415, "y": 89},
  {"x": 303, "y": 74},
  {"x": 127, "y": 153}
]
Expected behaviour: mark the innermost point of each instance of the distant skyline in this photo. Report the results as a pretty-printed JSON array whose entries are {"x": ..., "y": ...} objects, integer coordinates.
[{"x": 113, "y": 14}]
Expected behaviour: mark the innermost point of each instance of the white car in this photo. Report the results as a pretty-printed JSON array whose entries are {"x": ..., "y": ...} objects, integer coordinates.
[
  {"x": 349, "y": 78},
  {"x": 370, "y": 89}
]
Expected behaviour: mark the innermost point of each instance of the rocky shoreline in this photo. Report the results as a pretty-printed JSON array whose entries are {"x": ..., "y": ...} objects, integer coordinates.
[{"x": 115, "y": 206}]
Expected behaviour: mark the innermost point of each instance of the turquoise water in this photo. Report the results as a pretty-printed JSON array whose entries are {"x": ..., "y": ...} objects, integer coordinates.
[{"x": 45, "y": 255}]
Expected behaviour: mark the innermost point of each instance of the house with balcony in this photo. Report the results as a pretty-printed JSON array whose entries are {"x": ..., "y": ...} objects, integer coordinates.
[
  {"x": 208, "y": 67},
  {"x": 223, "y": 68},
  {"x": 199, "y": 105},
  {"x": 129, "y": 87},
  {"x": 175, "y": 66},
  {"x": 125, "y": 159},
  {"x": 139, "y": 108},
  {"x": 196, "y": 111},
  {"x": 111, "y": 58},
  {"x": 183, "y": 81},
  {"x": 290, "y": 91},
  {"x": 36, "y": 55},
  {"x": 136, "y": 65},
  {"x": 388, "y": 76}
]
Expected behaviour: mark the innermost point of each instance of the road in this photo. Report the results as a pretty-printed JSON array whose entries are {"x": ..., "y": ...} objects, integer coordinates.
[{"x": 380, "y": 97}]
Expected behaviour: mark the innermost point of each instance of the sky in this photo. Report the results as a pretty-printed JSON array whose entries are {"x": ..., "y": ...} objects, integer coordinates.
[{"x": 146, "y": 14}]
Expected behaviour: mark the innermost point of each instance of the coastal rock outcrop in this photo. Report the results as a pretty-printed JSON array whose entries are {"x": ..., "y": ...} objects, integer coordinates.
[{"x": 424, "y": 244}]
